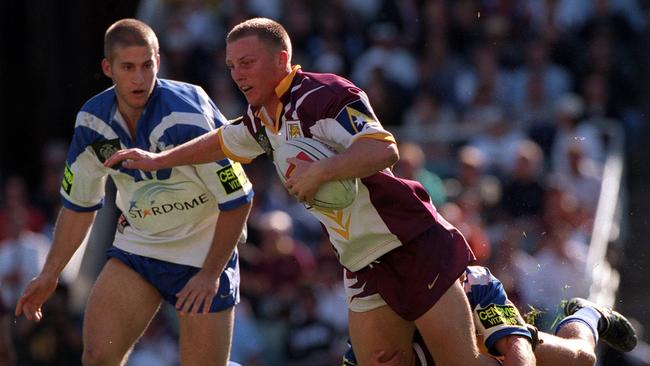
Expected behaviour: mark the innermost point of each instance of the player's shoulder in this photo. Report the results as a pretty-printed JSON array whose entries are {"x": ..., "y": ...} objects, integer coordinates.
[
  {"x": 101, "y": 104},
  {"x": 331, "y": 82},
  {"x": 324, "y": 93},
  {"x": 181, "y": 96}
]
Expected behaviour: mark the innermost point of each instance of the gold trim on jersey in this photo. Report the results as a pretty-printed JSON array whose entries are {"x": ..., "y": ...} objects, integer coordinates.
[
  {"x": 382, "y": 136},
  {"x": 337, "y": 216},
  {"x": 229, "y": 153}
]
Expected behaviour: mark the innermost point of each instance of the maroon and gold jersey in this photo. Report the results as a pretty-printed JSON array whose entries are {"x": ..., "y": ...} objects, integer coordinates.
[{"x": 387, "y": 212}]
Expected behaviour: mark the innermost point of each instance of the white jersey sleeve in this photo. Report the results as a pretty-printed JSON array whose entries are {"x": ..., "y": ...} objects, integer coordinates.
[
  {"x": 238, "y": 143},
  {"x": 84, "y": 175}
]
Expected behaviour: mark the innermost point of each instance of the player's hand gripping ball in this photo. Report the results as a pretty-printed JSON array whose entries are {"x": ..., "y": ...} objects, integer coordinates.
[{"x": 331, "y": 195}]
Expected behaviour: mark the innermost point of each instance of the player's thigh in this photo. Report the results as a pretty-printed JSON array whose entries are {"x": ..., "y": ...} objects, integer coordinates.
[
  {"x": 449, "y": 333},
  {"x": 380, "y": 329},
  {"x": 205, "y": 338},
  {"x": 120, "y": 306}
]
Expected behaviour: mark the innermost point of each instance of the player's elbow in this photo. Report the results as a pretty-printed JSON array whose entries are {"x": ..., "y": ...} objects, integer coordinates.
[
  {"x": 392, "y": 155},
  {"x": 585, "y": 358}
]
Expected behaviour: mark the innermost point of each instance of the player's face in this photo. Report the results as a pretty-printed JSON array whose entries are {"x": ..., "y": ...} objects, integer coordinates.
[
  {"x": 256, "y": 69},
  {"x": 133, "y": 70}
]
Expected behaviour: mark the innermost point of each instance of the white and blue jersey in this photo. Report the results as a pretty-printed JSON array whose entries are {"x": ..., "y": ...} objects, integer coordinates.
[{"x": 170, "y": 214}]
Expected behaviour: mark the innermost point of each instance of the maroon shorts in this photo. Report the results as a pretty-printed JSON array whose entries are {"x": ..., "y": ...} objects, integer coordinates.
[{"x": 411, "y": 278}]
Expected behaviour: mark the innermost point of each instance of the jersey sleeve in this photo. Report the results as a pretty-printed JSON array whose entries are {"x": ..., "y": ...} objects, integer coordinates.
[
  {"x": 228, "y": 182},
  {"x": 84, "y": 175},
  {"x": 225, "y": 179},
  {"x": 237, "y": 142},
  {"x": 350, "y": 119}
]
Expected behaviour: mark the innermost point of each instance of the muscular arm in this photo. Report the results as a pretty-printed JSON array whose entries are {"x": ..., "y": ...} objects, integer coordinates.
[
  {"x": 203, "y": 149},
  {"x": 201, "y": 288},
  {"x": 229, "y": 227},
  {"x": 71, "y": 228},
  {"x": 363, "y": 158},
  {"x": 516, "y": 351}
]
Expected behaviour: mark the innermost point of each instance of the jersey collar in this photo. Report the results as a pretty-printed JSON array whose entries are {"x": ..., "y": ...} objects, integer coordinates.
[{"x": 282, "y": 90}]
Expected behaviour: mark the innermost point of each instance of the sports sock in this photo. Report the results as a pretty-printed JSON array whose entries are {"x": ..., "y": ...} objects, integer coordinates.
[{"x": 588, "y": 316}]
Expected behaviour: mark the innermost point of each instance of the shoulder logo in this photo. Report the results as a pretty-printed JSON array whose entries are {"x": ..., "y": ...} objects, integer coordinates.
[
  {"x": 232, "y": 177},
  {"x": 355, "y": 116},
  {"x": 68, "y": 178},
  {"x": 105, "y": 149},
  {"x": 495, "y": 315}
]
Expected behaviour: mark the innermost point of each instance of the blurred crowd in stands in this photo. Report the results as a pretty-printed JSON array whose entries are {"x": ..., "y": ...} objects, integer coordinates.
[{"x": 498, "y": 106}]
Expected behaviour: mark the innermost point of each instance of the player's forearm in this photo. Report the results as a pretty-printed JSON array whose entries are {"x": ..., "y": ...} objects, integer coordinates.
[
  {"x": 226, "y": 235},
  {"x": 363, "y": 158},
  {"x": 200, "y": 150},
  {"x": 70, "y": 230},
  {"x": 517, "y": 351}
]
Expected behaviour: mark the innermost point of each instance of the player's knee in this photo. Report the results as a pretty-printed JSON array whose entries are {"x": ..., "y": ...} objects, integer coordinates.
[{"x": 585, "y": 358}]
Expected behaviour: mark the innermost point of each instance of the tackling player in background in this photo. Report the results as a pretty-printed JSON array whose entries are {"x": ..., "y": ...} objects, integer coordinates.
[{"x": 498, "y": 321}]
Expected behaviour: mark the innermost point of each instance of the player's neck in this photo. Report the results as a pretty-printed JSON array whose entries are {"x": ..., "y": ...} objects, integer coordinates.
[
  {"x": 271, "y": 108},
  {"x": 131, "y": 117}
]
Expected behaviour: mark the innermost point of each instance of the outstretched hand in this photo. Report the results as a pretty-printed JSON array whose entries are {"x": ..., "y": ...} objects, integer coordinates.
[
  {"x": 35, "y": 294},
  {"x": 134, "y": 159}
]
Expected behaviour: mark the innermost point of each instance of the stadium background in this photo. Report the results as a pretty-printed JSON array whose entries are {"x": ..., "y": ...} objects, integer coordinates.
[{"x": 49, "y": 65}]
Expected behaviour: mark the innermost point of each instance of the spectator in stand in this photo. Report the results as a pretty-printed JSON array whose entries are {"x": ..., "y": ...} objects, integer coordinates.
[
  {"x": 412, "y": 165},
  {"x": 471, "y": 176},
  {"x": 523, "y": 191},
  {"x": 555, "y": 78},
  {"x": 7, "y": 349},
  {"x": 498, "y": 141},
  {"x": 560, "y": 275},
  {"x": 22, "y": 254},
  {"x": 311, "y": 340},
  {"x": 583, "y": 180},
  {"x": 47, "y": 198},
  {"x": 15, "y": 196},
  {"x": 570, "y": 128}
]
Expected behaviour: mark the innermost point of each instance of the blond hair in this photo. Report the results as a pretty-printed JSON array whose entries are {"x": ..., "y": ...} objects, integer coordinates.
[
  {"x": 129, "y": 32},
  {"x": 267, "y": 30}
]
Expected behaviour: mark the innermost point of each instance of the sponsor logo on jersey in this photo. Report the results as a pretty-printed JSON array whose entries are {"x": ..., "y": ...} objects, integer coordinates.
[
  {"x": 105, "y": 149},
  {"x": 495, "y": 315},
  {"x": 232, "y": 177},
  {"x": 263, "y": 140},
  {"x": 68, "y": 178},
  {"x": 145, "y": 200},
  {"x": 293, "y": 129},
  {"x": 355, "y": 116}
]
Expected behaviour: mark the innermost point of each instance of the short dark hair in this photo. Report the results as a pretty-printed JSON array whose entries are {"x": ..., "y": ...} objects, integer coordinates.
[
  {"x": 129, "y": 32},
  {"x": 267, "y": 30}
]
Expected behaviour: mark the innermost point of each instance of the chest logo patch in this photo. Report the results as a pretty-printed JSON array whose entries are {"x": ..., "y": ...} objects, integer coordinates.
[{"x": 293, "y": 129}]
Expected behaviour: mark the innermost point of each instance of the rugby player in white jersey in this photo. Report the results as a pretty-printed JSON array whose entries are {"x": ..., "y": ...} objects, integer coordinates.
[{"x": 176, "y": 238}]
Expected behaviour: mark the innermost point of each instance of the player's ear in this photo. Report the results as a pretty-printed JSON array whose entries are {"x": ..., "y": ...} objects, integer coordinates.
[
  {"x": 106, "y": 68},
  {"x": 283, "y": 58},
  {"x": 157, "y": 62}
]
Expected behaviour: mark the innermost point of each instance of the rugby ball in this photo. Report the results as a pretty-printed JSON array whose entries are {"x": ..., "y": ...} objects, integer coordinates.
[{"x": 331, "y": 195}]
